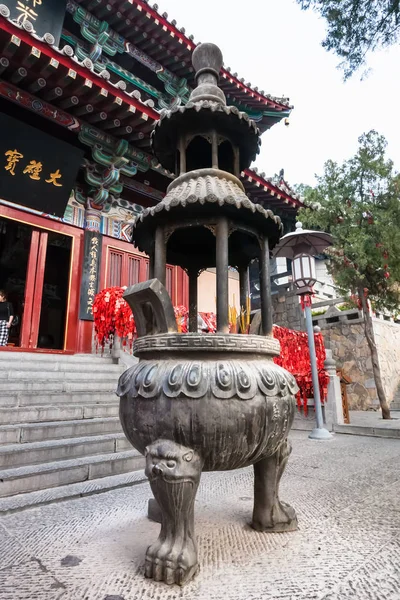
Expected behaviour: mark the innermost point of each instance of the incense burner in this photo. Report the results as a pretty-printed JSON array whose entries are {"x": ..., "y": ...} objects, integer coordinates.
[{"x": 205, "y": 402}]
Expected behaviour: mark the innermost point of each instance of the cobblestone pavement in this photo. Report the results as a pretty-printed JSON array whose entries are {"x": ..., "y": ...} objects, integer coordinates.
[{"x": 347, "y": 496}]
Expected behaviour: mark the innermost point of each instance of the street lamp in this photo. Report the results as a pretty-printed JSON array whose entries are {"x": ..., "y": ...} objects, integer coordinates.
[{"x": 301, "y": 246}]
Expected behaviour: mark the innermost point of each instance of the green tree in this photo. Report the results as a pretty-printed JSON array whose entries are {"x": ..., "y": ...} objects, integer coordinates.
[
  {"x": 358, "y": 202},
  {"x": 356, "y": 27}
]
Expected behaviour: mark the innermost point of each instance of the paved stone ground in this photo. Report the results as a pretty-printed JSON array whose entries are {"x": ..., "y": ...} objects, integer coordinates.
[
  {"x": 347, "y": 496},
  {"x": 371, "y": 418}
]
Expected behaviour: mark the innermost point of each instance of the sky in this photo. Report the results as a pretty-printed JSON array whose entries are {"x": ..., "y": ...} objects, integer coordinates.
[{"x": 277, "y": 47}]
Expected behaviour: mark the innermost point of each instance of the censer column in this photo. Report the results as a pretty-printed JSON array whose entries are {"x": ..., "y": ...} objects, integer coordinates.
[
  {"x": 244, "y": 287},
  {"x": 265, "y": 289},
  {"x": 192, "y": 273},
  {"x": 151, "y": 265},
  {"x": 222, "y": 263},
  {"x": 160, "y": 255}
]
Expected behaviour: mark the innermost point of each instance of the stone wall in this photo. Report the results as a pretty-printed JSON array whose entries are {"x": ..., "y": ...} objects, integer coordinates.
[
  {"x": 287, "y": 310},
  {"x": 350, "y": 349},
  {"x": 351, "y": 352},
  {"x": 387, "y": 337}
]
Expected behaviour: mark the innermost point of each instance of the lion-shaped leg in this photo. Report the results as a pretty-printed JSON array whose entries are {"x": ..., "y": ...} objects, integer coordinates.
[
  {"x": 174, "y": 474},
  {"x": 270, "y": 514}
]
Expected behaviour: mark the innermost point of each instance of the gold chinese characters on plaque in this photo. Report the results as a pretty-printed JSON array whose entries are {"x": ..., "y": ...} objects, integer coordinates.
[
  {"x": 33, "y": 169},
  {"x": 26, "y": 10},
  {"x": 93, "y": 255}
]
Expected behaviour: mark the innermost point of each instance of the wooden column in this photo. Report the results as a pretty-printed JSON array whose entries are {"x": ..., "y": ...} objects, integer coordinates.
[
  {"x": 244, "y": 286},
  {"x": 222, "y": 263},
  {"x": 160, "y": 256},
  {"x": 265, "y": 289},
  {"x": 193, "y": 273}
]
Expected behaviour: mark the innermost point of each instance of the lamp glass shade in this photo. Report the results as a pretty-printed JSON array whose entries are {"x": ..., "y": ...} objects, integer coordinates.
[{"x": 304, "y": 273}]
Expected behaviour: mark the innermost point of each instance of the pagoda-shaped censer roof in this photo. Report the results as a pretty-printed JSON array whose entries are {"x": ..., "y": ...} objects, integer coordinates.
[
  {"x": 206, "y": 110},
  {"x": 208, "y": 143}
]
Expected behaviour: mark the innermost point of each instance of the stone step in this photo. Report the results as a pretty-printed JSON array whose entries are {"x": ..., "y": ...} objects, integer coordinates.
[
  {"x": 33, "y": 478},
  {"x": 15, "y": 399},
  {"x": 106, "y": 374},
  {"x": 386, "y": 432},
  {"x": 34, "y": 453},
  {"x": 38, "y": 414},
  {"x": 81, "y": 384},
  {"x": 35, "y": 432},
  {"x": 23, "y": 357},
  {"x": 24, "y": 369},
  {"x": 28, "y": 377},
  {"x": 66, "y": 492}
]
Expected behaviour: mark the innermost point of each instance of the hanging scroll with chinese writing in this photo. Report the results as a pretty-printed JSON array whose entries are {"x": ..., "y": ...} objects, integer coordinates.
[
  {"x": 37, "y": 170},
  {"x": 46, "y": 16},
  {"x": 90, "y": 274}
]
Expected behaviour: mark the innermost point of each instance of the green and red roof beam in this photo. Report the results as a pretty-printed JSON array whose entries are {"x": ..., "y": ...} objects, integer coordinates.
[
  {"x": 189, "y": 44},
  {"x": 27, "y": 38},
  {"x": 257, "y": 185},
  {"x": 260, "y": 184}
]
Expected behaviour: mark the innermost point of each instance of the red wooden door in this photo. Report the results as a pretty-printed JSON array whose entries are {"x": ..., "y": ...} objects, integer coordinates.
[
  {"x": 34, "y": 289},
  {"x": 124, "y": 268},
  {"x": 42, "y": 274},
  {"x": 121, "y": 265}
]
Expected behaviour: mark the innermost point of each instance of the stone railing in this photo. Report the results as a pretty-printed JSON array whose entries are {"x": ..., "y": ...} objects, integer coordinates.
[{"x": 333, "y": 315}]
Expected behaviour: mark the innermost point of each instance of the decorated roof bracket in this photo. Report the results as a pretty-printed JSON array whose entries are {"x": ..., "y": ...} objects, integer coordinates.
[
  {"x": 103, "y": 65},
  {"x": 102, "y": 184},
  {"x": 97, "y": 32},
  {"x": 104, "y": 39},
  {"x": 104, "y": 146},
  {"x": 111, "y": 156}
]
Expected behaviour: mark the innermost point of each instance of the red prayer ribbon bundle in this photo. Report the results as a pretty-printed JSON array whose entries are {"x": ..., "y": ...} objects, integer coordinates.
[
  {"x": 113, "y": 316},
  {"x": 295, "y": 358}
]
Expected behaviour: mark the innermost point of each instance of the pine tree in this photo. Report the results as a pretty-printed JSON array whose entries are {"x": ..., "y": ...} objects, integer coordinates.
[
  {"x": 357, "y": 27},
  {"x": 358, "y": 202}
]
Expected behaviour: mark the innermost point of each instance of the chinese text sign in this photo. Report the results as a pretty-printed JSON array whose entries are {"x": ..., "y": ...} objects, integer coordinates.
[
  {"x": 37, "y": 170},
  {"x": 90, "y": 274},
  {"x": 46, "y": 16}
]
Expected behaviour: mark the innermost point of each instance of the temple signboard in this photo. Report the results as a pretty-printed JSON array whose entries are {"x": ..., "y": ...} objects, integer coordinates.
[
  {"x": 37, "y": 170},
  {"x": 46, "y": 16},
  {"x": 90, "y": 274}
]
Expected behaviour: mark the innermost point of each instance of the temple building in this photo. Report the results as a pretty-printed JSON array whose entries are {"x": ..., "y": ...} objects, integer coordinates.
[{"x": 81, "y": 84}]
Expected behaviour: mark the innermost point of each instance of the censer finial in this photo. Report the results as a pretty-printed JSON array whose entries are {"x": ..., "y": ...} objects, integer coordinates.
[{"x": 207, "y": 61}]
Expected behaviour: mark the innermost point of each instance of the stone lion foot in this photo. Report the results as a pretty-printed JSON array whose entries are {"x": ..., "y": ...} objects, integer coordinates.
[
  {"x": 172, "y": 562},
  {"x": 270, "y": 514},
  {"x": 282, "y": 517}
]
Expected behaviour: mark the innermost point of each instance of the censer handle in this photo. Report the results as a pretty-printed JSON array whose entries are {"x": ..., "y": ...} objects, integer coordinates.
[{"x": 151, "y": 307}]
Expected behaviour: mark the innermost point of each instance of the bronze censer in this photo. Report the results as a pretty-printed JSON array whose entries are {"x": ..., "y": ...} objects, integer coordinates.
[{"x": 205, "y": 402}]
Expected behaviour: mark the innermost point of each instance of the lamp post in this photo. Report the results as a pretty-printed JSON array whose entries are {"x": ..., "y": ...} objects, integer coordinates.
[{"x": 302, "y": 246}]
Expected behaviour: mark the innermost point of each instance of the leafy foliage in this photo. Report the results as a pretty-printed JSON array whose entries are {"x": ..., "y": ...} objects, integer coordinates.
[
  {"x": 358, "y": 202},
  {"x": 356, "y": 27}
]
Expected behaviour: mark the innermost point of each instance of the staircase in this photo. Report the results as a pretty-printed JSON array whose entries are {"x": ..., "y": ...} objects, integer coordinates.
[{"x": 60, "y": 435}]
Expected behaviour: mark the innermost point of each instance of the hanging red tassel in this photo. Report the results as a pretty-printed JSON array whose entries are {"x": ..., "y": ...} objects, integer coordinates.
[{"x": 305, "y": 301}]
